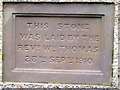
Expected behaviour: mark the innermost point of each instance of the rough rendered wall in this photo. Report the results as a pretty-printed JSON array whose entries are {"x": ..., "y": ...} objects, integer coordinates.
[
  {"x": 119, "y": 43},
  {"x": 115, "y": 57}
]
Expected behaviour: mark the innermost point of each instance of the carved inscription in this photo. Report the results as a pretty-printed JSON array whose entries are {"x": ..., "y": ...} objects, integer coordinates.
[{"x": 58, "y": 42}]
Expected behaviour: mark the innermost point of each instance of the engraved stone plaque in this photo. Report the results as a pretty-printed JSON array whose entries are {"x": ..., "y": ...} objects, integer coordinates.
[{"x": 66, "y": 43}]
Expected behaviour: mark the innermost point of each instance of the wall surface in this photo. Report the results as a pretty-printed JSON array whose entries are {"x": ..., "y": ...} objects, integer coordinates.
[
  {"x": 116, "y": 56},
  {"x": 119, "y": 44}
]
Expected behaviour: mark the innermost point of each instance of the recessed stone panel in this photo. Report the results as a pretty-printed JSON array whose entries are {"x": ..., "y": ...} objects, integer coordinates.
[{"x": 63, "y": 42}]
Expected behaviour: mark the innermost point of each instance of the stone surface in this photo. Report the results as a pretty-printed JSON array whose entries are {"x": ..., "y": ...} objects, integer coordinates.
[
  {"x": 115, "y": 56},
  {"x": 99, "y": 1},
  {"x": 51, "y": 41}
]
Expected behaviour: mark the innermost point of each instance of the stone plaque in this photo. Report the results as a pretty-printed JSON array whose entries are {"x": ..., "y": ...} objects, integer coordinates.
[{"x": 51, "y": 44}]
